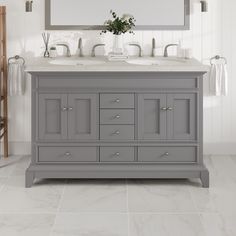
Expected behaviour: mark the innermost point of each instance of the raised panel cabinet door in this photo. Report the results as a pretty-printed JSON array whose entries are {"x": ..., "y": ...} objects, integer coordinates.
[
  {"x": 152, "y": 116},
  {"x": 181, "y": 116},
  {"x": 82, "y": 116},
  {"x": 52, "y": 116}
]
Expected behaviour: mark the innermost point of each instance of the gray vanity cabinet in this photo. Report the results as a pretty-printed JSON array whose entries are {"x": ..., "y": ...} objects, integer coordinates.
[
  {"x": 117, "y": 125},
  {"x": 67, "y": 116},
  {"x": 167, "y": 116}
]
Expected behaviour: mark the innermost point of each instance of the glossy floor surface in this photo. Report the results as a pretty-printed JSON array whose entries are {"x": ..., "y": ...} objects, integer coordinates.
[{"x": 118, "y": 207}]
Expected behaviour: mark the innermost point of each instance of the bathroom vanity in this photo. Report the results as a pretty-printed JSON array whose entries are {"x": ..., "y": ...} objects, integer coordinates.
[{"x": 117, "y": 120}]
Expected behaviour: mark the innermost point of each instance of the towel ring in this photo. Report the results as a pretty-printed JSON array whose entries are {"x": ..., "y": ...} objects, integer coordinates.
[
  {"x": 217, "y": 57},
  {"x": 17, "y": 57}
]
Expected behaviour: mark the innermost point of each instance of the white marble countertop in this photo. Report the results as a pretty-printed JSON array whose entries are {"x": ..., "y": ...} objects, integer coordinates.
[{"x": 171, "y": 64}]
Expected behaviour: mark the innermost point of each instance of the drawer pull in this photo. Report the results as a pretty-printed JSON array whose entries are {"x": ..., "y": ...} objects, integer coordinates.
[
  {"x": 64, "y": 109},
  {"x": 169, "y": 108},
  {"x": 68, "y": 154},
  {"x": 117, "y": 154},
  {"x": 70, "y": 108},
  {"x": 166, "y": 154},
  {"x": 164, "y": 108},
  {"x": 116, "y": 132},
  {"x": 117, "y": 117},
  {"x": 117, "y": 100}
]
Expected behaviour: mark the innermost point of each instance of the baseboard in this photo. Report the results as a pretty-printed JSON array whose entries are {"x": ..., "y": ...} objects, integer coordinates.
[
  {"x": 19, "y": 148},
  {"x": 24, "y": 148}
]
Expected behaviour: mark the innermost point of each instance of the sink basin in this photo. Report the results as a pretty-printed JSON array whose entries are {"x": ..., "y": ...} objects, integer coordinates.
[
  {"x": 156, "y": 61},
  {"x": 76, "y": 62}
]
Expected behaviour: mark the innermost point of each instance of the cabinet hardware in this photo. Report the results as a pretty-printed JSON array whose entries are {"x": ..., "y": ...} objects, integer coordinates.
[
  {"x": 70, "y": 108},
  {"x": 67, "y": 154},
  {"x": 117, "y": 100},
  {"x": 117, "y": 117},
  {"x": 64, "y": 109},
  {"x": 117, "y": 154},
  {"x": 169, "y": 108},
  {"x": 163, "y": 108},
  {"x": 166, "y": 154},
  {"x": 116, "y": 132}
]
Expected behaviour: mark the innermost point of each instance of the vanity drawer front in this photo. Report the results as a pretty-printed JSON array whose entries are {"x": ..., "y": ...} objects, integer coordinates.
[
  {"x": 116, "y": 100},
  {"x": 116, "y": 154},
  {"x": 67, "y": 154},
  {"x": 167, "y": 154},
  {"x": 117, "y": 132},
  {"x": 116, "y": 116}
]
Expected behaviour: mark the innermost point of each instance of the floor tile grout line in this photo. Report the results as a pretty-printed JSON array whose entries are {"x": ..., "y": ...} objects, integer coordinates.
[{"x": 58, "y": 208}]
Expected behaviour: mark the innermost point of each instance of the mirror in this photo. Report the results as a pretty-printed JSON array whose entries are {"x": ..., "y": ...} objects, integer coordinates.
[{"x": 91, "y": 14}]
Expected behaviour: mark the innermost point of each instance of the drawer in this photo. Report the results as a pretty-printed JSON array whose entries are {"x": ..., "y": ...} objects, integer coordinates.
[
  {"x": 116, "y": 132},
  {"x": 116, "y": 100},
  {"x": 116, "y": 154},
  {"x": 67, "y": 154},
  {"x": 117, "y": 117},
  {"x": 167, "y": 154}
]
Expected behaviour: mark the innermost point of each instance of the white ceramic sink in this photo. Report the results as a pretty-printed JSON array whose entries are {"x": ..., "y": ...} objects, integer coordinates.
[
  {"x": 76, "y": 62},
  {"x": 156, "y": 61}
]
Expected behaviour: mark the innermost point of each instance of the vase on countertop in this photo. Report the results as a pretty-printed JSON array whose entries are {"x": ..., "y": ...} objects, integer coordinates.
[{"x": 118, "y": 46}]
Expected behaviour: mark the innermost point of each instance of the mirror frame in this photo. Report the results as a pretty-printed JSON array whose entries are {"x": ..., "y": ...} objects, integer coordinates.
[{"x": 49, "y": 26}]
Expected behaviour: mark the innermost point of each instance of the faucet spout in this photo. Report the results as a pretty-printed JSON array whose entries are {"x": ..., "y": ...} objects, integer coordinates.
[
  {"x": 68, "y": 53},
  {"x": 138, "y": 46},
  {"x": 166, "y": 48},
  {"x": 94, "y": 47}
]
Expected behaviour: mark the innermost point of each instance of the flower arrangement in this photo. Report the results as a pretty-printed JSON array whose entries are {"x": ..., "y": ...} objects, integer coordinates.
[{"x": 119, "y": 25}]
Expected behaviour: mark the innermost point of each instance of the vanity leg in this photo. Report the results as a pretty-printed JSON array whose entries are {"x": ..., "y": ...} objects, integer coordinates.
[
  {"x": 29, "y": 178},
  {"x": 204, "y": 176}
]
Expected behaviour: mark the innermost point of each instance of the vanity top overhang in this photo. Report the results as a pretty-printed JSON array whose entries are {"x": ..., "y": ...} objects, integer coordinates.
[{"x": 144, "y": 64}]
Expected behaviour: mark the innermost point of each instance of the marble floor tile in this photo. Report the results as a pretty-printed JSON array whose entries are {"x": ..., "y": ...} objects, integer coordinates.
[
  {"x": 26, "y": 224},
  {"x": 95, "y": 196},
  {"x": 219, "y": 224},
  {"x": 7, "y": 165},
  {"x": 159, "y": 196},
  {"x": 44, "y": 196},
  {"x": 166, "y": 225},
  {"x": 21, "y": 166},
  {"x": 90, "y": 224}
]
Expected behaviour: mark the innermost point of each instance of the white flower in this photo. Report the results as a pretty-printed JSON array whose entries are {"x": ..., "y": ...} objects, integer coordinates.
[{"x": 126, "y": 17}]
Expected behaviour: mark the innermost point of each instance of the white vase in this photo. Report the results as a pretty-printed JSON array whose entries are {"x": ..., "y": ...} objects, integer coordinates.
[{"x": 118, "y": 47}]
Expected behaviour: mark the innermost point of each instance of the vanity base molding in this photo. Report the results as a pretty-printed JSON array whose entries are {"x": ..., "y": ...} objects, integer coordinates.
[{"x": 117, "y": 172}]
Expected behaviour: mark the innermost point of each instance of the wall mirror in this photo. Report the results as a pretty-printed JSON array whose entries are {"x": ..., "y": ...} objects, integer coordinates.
[{"x": 91, "y": 14}]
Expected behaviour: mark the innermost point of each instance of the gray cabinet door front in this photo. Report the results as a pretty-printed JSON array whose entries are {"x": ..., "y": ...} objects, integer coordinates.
[
  {"x": 82, "y": 116},
  {"x": 52, "y": 116},
  {"x": 151, "y": 116},
  {"x": 181, "y": 116}
]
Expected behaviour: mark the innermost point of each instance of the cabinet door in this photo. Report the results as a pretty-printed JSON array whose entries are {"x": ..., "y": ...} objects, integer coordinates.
[
  {"x": 151, "y": 116},
  {"x": 181, "y": 116},
  {"x": 82, "y": 116},
  {"x": 52, "y": 117}
]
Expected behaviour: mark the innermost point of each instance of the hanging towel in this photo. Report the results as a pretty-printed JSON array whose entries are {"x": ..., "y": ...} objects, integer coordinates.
[
  {"x": 219, "y": 79},
  {"x": 16, "y": 79}
]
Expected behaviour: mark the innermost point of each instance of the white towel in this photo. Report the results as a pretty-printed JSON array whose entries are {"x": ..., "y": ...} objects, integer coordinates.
[
  {"x": 219, "y": 80},
  {"x": 16, "y": 79}
]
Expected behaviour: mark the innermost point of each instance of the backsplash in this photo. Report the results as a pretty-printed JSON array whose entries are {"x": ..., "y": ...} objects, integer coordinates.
[{"x": 205, "y": 38}]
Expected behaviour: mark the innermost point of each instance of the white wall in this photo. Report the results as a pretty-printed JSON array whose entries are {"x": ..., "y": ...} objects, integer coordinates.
[{"x": 211, "y": 33}]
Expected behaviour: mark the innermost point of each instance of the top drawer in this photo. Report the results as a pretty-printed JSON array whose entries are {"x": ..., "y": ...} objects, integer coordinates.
[{"x": 116, "y": 100}]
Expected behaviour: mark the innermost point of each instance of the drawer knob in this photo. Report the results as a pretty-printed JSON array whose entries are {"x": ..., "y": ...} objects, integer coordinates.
[
  {"x": 117, "y": 100},
  {"x": 169, "y": 108},
  {"x": 117, "y": 117},
  {"x": 164, "y": 108},
  {"x": 70, "y": 108},
  {"x": 68, "y": 154},
  {"x": 64, "y": 109},
  {"x": 116, "y": 132},
  {"x": 117, "y": 154},
  {"x": 166, "y": 154}
]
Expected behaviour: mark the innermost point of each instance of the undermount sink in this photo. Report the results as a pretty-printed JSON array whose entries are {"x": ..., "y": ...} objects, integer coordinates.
[
  {"x": 156, "y": 61},
  {"x": 76, "y": 62}
]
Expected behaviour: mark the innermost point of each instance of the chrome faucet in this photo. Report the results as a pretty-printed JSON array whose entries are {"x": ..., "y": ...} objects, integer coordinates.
[
  {"x": 68, "y": 53},
  {"x": 166, "y": 49},
  {"x": 80, "y": 49},
  {"x": 138, "y": 46},
  {"x": 94, "y": 47},
  {"x": 153, "y": 47}
]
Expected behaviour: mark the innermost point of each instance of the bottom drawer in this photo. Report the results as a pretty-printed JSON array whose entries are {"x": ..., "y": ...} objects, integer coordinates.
[
  {"x": 167, "y": 154},
  {"x": 116, "y": 154},
  {"x": 67, "y": 154}
]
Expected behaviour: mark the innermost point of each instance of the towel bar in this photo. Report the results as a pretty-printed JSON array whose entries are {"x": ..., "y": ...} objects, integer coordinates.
[
  {"x": 217, "y": 57},
  {"x": 17, "y": 57}
]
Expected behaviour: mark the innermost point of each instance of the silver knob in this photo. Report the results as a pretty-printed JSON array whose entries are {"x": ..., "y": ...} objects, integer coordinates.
[
  {"x": 117, "y": 117},
  {"x": 64, "y": 109},
  {"x": 70, "y": 108},
  {"x": 117, "y": 100},
  {"x": 169, "y": 108},
  {"x": 117, "y": 132},
  {"x": 117, "y": 154},
  {"x": 163, "y": 108},
  {"x": 67, "y": 154},
  {"x": 166, "y": 154}
]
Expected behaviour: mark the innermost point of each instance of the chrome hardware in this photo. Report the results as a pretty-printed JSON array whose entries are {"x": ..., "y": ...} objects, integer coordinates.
[
  {"x": 68, "y": 53},
  {"x": 166, "y": 49},
  {"x": 117, "y": 117},
  {"x": 117, "y": 100},
  {"x": 166, "y": 154},
  {"x": 169, "y": 108},
  {"x": 67, "y": 154},
  {"x": 64, "y": 109},
  {"x": 153, "y": 47},
  {"x": 164, "y": 108},
  {"x": 116, "y": 132},
  {"x": 70, "y": 108},
  {"x": 94, "y": 47},
  {"x": 80, "y": 47},
  {"x": 117, "y": 154},
  {"x": 138, "y": 46}
]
